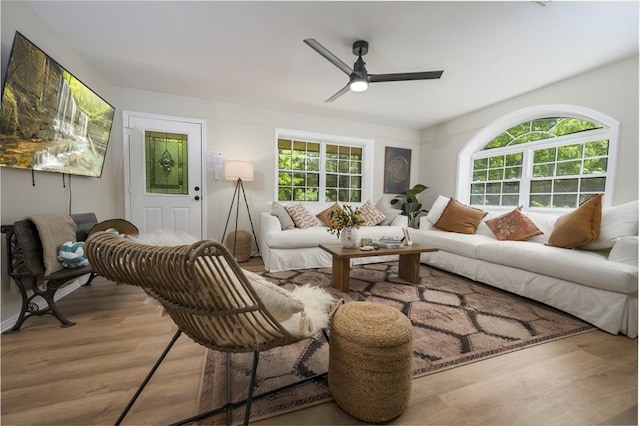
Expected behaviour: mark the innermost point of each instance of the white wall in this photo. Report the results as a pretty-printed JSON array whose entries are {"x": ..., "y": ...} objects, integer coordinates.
[
  {"x": 611, "y": 90},
  {"x": 19, "y": 198},
  {"x": 248, "y": 133}
]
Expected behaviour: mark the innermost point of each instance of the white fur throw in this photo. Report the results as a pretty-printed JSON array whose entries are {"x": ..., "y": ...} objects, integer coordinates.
[
  {"x": 164, "y": 238},
  {"x": 315, "y": 315}
]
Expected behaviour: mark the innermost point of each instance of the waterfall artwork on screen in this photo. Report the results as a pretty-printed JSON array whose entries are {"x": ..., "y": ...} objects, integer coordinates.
[{"x": 50, "y": 120}]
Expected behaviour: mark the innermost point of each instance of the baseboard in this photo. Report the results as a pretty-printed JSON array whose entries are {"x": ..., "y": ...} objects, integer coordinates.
[{"x": 69, "y": 288}]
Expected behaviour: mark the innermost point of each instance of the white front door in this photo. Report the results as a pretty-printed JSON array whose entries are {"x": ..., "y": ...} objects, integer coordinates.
[{"x": 164, "y": 185}]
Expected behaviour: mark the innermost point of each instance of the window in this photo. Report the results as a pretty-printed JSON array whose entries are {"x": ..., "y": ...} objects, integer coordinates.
[
  {"x": 322, "y": 168},
  {"x": 544, "y": 157}
]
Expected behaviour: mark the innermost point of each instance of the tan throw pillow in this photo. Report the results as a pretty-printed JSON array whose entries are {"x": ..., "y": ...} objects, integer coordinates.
[
  {"x": 370, "y": 214},
  {"x": 514, "y": 226},
  {"x": 579, "y": 227},
  {"x": 460, "y": 218},
  {"x": 54, "y": 230},
  {"x": 301, "y": 217},
  {"x": 325, "y": 215}
]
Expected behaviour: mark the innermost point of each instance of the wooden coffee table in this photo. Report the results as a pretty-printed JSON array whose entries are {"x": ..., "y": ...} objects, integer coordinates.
[{"x": 408, "y": 265}]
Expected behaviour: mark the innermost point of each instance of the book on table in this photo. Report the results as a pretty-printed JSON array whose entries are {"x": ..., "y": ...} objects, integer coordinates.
[{"x": 389, "y": 242}]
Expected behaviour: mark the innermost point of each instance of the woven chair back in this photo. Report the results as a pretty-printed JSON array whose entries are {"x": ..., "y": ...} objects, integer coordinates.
[{"x": 200, "y": 286}]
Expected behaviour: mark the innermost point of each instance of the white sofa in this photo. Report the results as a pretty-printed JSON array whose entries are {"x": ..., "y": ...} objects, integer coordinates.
[
  {"x": 284, "y": 250},
  {"x": 598, "y": 286}
]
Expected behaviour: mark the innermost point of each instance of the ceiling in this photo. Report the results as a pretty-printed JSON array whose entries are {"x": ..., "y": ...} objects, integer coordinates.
[{"x": 253, "y": 52}]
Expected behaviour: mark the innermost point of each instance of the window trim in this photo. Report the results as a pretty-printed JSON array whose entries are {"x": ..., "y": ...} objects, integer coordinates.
[
  {"x": 486, "y": 134},
  {"x": 367, "y": 160}
]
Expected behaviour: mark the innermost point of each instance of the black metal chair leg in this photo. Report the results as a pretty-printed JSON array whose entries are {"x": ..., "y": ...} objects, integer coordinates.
[
  {"x": 146, "y": 379},
  {"x": 252, "y": 385}
]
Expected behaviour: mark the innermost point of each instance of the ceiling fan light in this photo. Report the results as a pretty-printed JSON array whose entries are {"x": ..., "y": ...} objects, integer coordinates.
[{"x": 359, "y": 85}]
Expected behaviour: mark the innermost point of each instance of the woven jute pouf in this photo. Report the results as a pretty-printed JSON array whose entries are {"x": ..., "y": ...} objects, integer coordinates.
[
  {"x": 242, "y": 243},
  {"x": 370, "y": 356}
]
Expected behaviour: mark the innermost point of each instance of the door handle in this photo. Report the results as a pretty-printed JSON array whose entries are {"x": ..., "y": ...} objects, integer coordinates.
[{"x": 197, "y": 198}]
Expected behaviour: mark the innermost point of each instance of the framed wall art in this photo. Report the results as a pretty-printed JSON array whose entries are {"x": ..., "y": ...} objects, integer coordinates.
[{"x": 397, "y": 170}]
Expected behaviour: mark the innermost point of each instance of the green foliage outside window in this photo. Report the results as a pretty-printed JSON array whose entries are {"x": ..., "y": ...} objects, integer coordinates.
[
  {"x": 301, "y": 174},
  {"x": 560, "y": 176}
]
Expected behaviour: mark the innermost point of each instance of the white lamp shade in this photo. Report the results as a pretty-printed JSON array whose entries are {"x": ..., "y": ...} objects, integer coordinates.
[{"x": 238, "y": 170}]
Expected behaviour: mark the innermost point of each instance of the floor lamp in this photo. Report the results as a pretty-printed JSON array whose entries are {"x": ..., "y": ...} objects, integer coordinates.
[{"x": 238, "y": 171}]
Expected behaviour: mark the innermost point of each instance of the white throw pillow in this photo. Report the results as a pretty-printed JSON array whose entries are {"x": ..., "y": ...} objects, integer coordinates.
[
  {"x": 437, "y": 208},
  {"x": 617, "y": 221}
]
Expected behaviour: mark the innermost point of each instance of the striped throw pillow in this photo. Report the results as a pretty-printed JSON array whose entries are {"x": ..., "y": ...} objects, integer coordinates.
[{"x": 71, "y": 254}]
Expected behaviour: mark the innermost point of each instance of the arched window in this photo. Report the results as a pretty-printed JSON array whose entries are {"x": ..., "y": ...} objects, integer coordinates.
[{"x": 547, "y": 157}]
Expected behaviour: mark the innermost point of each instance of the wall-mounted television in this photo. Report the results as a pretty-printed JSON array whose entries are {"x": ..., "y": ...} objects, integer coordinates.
[{"x": 50, "y": 120}]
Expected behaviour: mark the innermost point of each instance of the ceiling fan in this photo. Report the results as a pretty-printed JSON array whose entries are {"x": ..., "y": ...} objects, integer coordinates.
[{"x": 359, "y": 78}]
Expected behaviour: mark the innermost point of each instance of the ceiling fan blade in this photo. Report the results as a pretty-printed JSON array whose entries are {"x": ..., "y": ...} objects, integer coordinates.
[
  {"x": 403, "y": 76},
  {"x": 328, "y": 55},
  {"x": 340, "y": 92}
]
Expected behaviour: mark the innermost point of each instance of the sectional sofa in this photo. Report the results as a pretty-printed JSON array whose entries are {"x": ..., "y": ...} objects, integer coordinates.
[{"x": 597, "y": 282}]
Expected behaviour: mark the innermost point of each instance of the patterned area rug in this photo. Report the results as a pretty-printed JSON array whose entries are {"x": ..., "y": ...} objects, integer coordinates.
[{"x": 455, "y": 321}]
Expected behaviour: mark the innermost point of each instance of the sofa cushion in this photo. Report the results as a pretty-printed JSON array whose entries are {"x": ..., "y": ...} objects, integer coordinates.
[
  {"x": 283, "y": 216},
  {"x": 325, "y": 215},
  {"x": 545, "y": 222},
  {"x": 585, "y": 267},
  {"x": 460, "y": 244},
  {"x": 389, "y": 212},
  {"x": 458, "y": 217},
  {"x": 437, "y": 208},
  {"x": 513, "y": 226},
  {"x": 301, "y": 217},
  {"x": 625, "y": 251},
  {"x": 579, "y": 227},
  {"x": 617, "y": 221},
  {"x": 370, "y": 214}
]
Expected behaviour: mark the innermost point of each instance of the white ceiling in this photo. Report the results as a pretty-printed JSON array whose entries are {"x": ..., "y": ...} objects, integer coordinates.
[{"x": 253, "y": 52}]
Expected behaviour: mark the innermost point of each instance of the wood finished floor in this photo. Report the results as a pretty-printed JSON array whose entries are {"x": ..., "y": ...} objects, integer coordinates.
[{"x": 84, "y": 375}]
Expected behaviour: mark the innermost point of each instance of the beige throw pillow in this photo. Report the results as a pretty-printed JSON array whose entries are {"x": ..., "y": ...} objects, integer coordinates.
[
  {"x": 579, "y": 227},
  {"x": 285, "y": 220},
  {"x": 458, "y": 217},
  {"x": 278, "y": 301}
]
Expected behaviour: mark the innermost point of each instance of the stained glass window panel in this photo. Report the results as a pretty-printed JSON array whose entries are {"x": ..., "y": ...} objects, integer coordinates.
[{"x": 166, "y": 163}]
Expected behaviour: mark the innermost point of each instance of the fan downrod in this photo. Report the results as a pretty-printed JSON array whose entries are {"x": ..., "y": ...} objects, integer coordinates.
[{"x": 360, "y": 48}]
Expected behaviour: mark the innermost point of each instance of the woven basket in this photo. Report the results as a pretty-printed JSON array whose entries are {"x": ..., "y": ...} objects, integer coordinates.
[
  {"x": 242, "y": 243},
  {"x": 370, "y": 360}
]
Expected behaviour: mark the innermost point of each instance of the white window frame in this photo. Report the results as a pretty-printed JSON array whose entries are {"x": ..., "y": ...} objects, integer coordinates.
[
  {"x": 472, "y": 150},
  {"x": 367, "y": 146}
]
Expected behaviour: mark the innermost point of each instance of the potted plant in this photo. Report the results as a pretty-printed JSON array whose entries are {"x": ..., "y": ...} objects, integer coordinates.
[
  {"x": 410, "y": 206},
  {"x": 344, "y": 223}
]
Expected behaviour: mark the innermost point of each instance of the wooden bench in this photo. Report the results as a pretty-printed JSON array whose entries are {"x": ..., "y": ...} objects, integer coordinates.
[{"x": 26, "y": 267}]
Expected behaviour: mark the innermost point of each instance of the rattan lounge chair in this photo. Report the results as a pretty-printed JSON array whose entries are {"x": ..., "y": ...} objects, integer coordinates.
[{"x": 209, "y": 297}]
